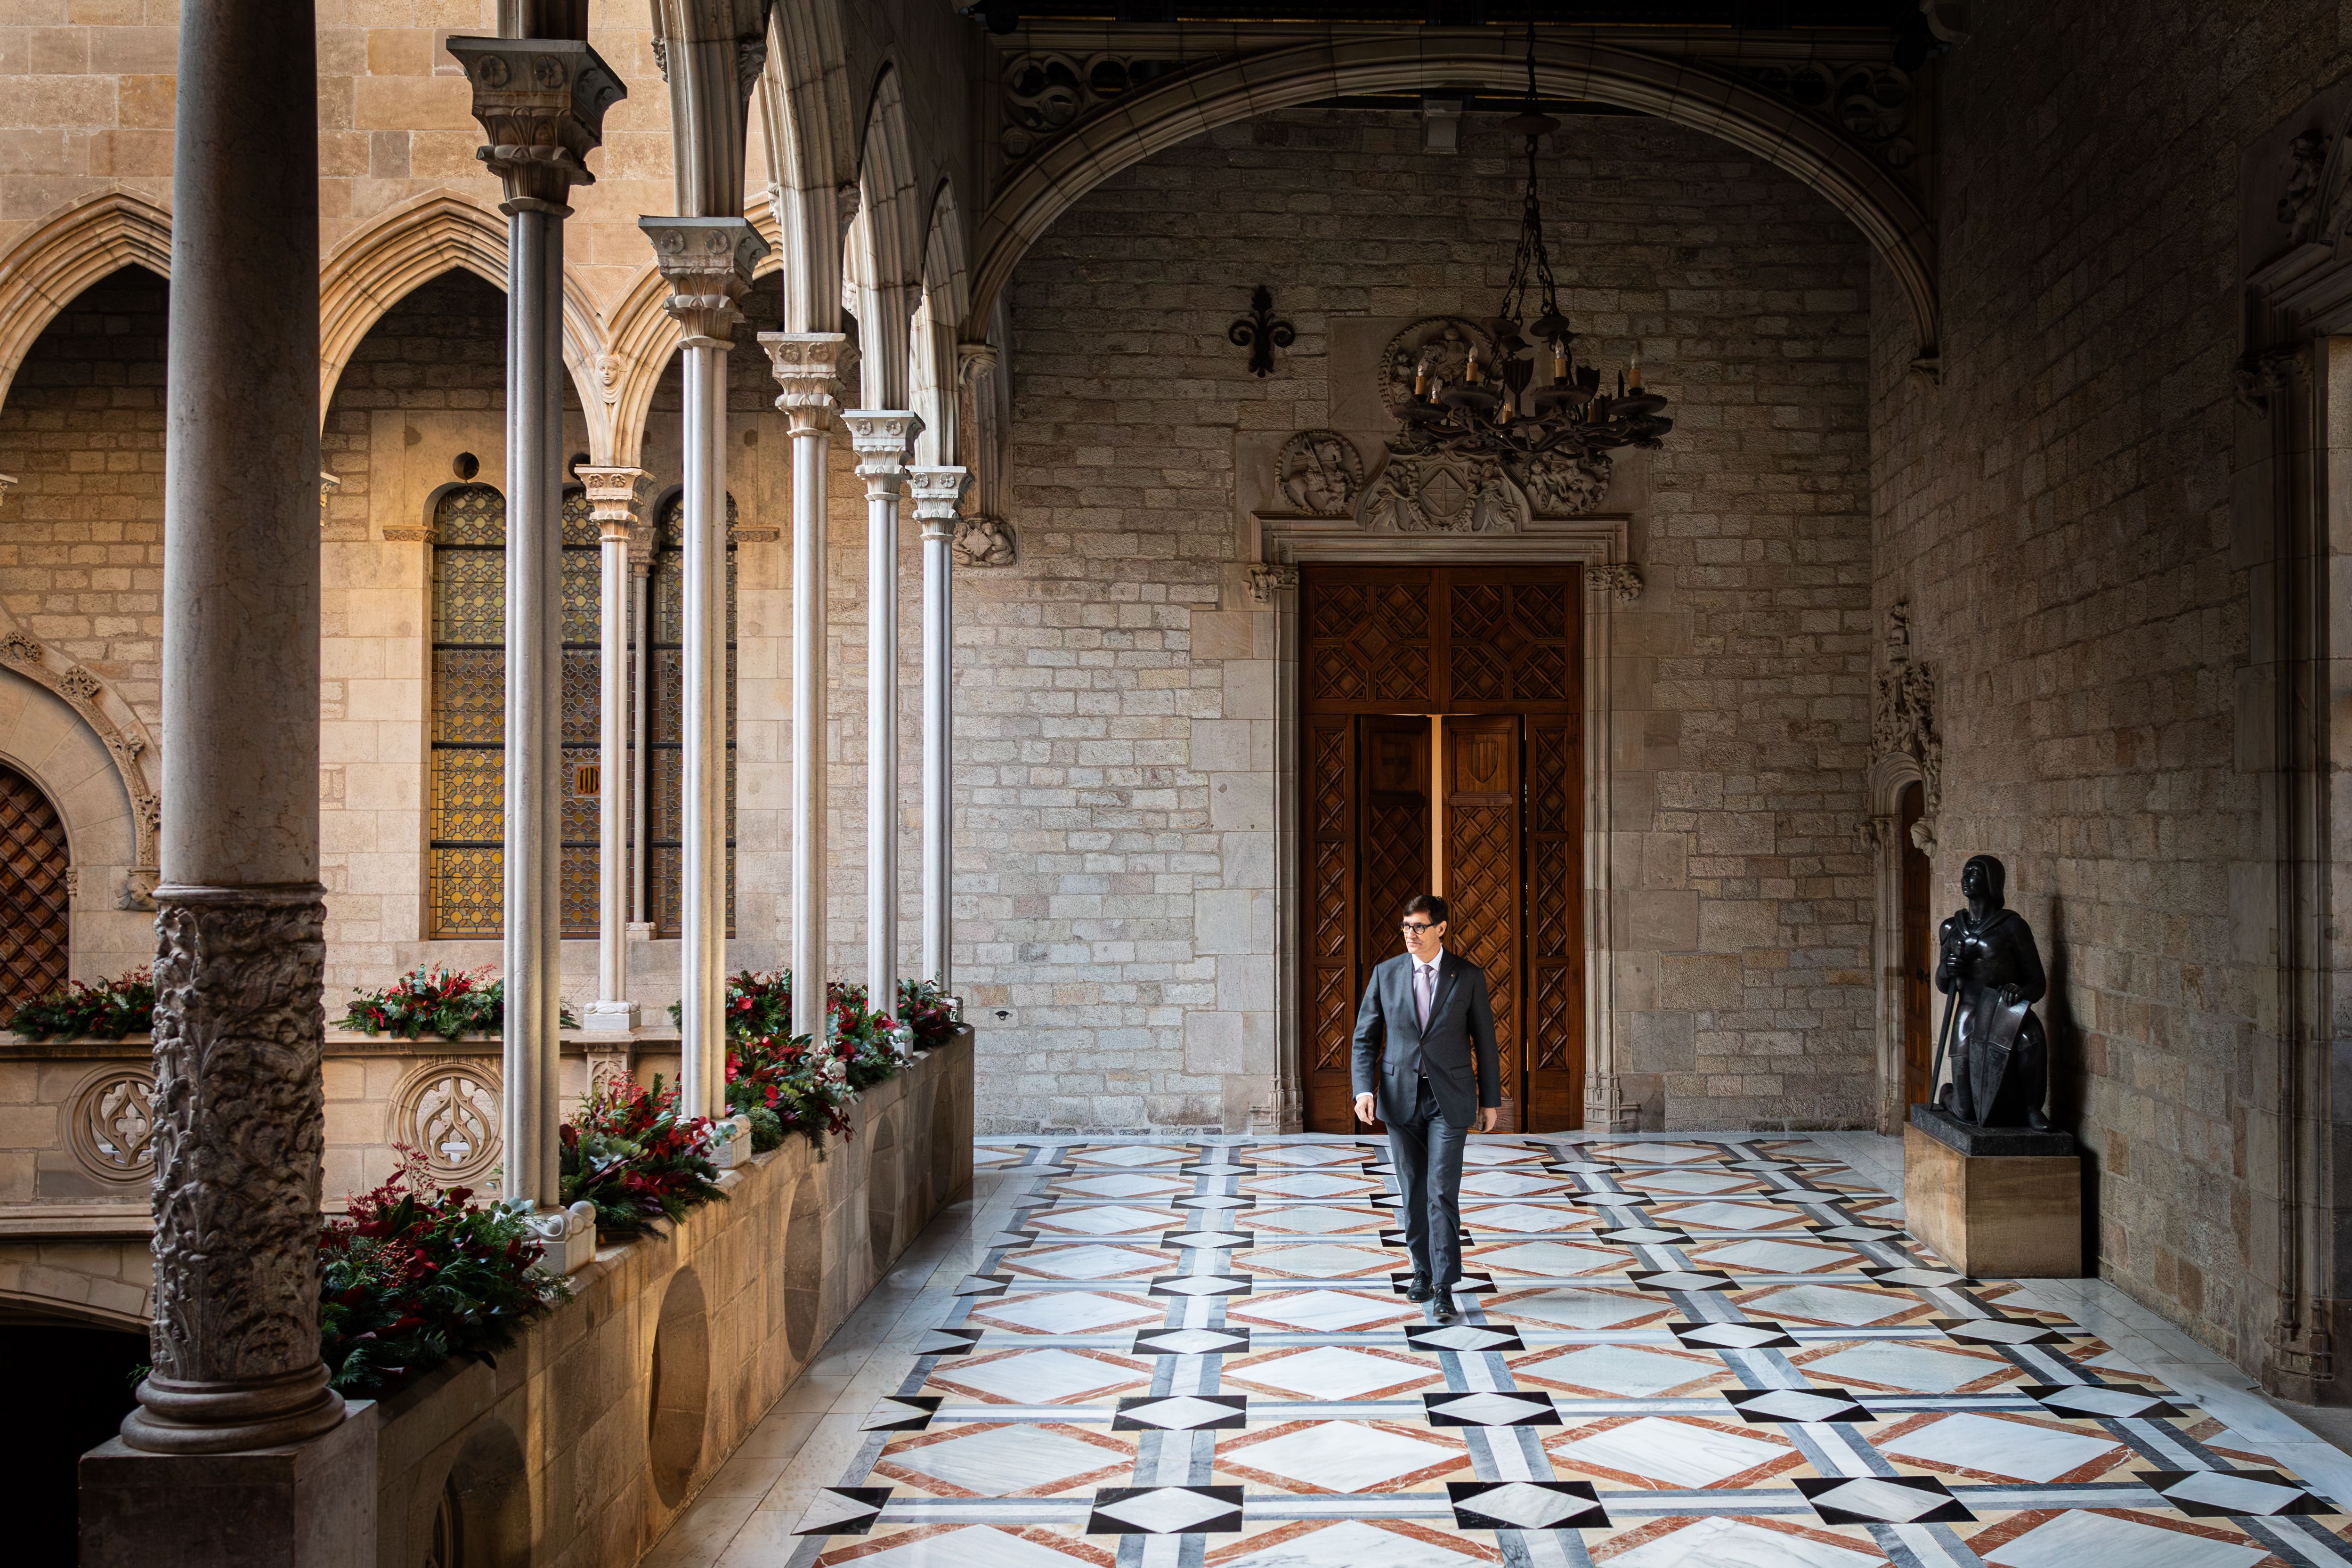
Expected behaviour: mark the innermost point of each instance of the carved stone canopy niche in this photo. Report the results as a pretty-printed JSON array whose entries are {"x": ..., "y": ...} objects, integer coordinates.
[{"x": 1369, "y": 478}]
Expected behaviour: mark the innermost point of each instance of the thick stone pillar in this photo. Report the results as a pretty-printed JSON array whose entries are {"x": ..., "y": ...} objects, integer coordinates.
[
  {"x": 541, "y": 102},
  {"x": 708, "y": 263},
  {"x": 937, "y": 491},
  {"x": 616, "y": 498},
  {"x": 809, "y": 368},
  {"x": 882, "y": 437},
  {"x": 240, "y": 1115}
]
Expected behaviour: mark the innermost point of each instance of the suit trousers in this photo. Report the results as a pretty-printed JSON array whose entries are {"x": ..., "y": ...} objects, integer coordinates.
[{"x": 1426, "y": 1150}]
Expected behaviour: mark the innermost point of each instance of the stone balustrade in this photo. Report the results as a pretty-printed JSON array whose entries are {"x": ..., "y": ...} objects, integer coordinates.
[{"x": 593, "y": 1434}]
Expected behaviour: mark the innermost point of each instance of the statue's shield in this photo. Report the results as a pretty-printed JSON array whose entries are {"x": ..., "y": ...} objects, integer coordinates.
[{"x": 1989, "y": 1055}]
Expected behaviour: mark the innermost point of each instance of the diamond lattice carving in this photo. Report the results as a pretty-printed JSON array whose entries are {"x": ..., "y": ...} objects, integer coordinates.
[
  {"x": 35, "y": 918},
  {"x": 1553, "y": 1026},
  {"x": 1481, "y": 875}
]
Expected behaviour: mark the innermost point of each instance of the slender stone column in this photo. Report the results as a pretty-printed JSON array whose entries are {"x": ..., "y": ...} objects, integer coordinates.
[
  {"x": 616, "y": 498},
  {"x": 240, "y": 1115},
  {"x": 882, "y": 437},
  {"x": 641, "y": 567},
  {"x": 541, "y": 102},
  {"x": 937, "y": 491},
  {"x": 809, "y": 368},
  {"x": 708, "y": 263}
]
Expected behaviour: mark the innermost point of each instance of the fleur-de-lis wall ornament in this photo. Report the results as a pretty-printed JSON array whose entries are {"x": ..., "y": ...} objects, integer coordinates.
[{"x": 1260, "y": 333}]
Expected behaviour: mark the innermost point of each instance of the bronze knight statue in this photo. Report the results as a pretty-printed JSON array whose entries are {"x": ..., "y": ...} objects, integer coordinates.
[{"x": 1989, "y": 967}]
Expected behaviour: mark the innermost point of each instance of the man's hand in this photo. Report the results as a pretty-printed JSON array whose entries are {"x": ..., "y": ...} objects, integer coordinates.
[
  {"x": 1364, "y": 1108},
  {"x": 1488, "y": 1115}
]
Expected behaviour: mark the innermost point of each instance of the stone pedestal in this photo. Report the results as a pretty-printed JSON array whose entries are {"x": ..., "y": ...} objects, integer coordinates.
[
  {"x": 1994, "y": 1203},
  {"x": 306, "y": 1505}
]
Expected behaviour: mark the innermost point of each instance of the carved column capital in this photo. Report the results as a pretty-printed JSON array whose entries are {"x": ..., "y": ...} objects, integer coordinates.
[
  {"x": 7, "y": 482},
  {"x": 939, "y": 491},
  {"x": 974, "y": 360},
  {"x": 541, "y": 102},
  {"x": 708, "y": 263},
  {"x": 617, "y": 500},
  {"x": 882, "y": 436},
  {"x": 1266, "y": 582},
  {"x": 1619, "y": 577},
  {"x": 809, "y": 368},
  {"x": 328, "y": 485}
]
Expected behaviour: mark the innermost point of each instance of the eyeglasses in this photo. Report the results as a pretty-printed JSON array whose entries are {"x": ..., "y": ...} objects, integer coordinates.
[{"x": 1419, "y": 925}]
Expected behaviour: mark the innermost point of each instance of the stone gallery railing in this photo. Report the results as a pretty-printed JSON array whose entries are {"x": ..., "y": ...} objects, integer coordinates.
[{"x": 586, "y": 1440}]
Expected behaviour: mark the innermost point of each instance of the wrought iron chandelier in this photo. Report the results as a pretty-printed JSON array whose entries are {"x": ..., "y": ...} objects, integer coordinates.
[{"x": 1497, "y": 407}]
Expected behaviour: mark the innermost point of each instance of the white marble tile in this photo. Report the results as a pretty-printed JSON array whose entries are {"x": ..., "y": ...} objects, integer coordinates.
[
  {"x": 1736, "y": 1544},
  {"x": 1067, "y": 1311},
  {"x": 1342, "y": 1455},
  {"x": 1332, "y": 1371},
  {"x": 1675, "y": 1453},
  {"x": 2077, "y": 1539},
  {"x": 1034, "y": 1377},
  {"x": 1893, "y": 1364},
  {"x": 1577, "y": 1309},
  {"x": 1328, "y": 1312},
  {"x": 2016, "y": 1449},
  {"x": 1351, "y": 1543},
  {"x": 973, "y": 1546},
  {"x": 1007, "y": 1459},
  {"x": 1089, "y": 1262},
  {"x": 1625, "y": 1370},
  {"x": 1830, "y": 1304},
  {"x": 1550, "y": 1260}
]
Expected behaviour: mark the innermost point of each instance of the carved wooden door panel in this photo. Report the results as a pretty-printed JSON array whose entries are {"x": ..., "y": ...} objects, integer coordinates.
[
  {"x": 1495, "y": 651},
  {"x": 1918, "y": 994},
  {"x": 1483, "y": 880},
  {"x": 1555, "y": 883},
  {"x": 1331, "y": 916},
  {"x": 36, "y": 934}
]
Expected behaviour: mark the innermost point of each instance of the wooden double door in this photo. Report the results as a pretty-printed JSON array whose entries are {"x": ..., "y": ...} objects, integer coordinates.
[{"x": 1444, "y": 752}]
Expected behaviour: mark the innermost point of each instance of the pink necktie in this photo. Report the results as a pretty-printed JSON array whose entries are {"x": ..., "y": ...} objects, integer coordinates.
[{"x": 1424, "y": 978}]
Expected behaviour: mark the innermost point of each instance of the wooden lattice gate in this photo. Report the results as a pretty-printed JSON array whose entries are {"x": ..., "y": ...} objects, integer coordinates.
[
  {"x": 36, "y": 932},
  {"x": 1495, "y": 816}
]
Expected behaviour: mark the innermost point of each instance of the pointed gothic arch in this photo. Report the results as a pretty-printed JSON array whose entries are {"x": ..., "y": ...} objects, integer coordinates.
[
  {"x": 889, "y": 231},
  {"x": 49, "y": 267},
  {"x": 382, "y": 264}
]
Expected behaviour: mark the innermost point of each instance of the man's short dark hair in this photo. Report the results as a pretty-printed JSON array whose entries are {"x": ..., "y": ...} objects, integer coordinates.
[{"x": 1428, "y": 904}]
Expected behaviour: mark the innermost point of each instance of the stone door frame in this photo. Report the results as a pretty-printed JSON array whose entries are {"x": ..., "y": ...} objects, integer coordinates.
[{"x": 1284, "y": 543}]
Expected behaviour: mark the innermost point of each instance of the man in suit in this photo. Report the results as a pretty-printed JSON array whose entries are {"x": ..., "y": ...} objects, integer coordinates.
[{"x": 1425, "y": 1020}]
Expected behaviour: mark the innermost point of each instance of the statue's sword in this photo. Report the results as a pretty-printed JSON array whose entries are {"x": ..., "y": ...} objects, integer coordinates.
[{"x": 1944, "y": 1036}]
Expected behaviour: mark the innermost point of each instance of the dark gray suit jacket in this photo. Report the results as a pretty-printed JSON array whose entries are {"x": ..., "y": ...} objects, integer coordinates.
[{"x": 1392, "y": 1050}]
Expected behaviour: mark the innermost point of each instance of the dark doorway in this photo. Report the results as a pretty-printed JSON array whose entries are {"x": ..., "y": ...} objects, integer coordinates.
[
  {"x": 1443, "y": 752},
  {"x": 67, "y": 1391},
  {"x": 1918, "y": 998}
]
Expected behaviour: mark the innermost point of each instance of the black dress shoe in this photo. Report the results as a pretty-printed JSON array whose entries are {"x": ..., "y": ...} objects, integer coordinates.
[
  {"x": 1418, "y": 1290},
  {"x": 1445, "y": 1311}
]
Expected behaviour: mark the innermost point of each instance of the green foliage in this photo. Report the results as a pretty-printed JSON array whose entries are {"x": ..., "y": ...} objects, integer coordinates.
[
  {"x": 632, "y": 1154},
  {"x": 450, "y": 1003},
  {"x": 415, "y": 1274},
  {"x": 107, "y": 1011}
]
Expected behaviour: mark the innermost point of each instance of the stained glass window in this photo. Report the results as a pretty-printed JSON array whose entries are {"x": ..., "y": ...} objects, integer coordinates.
[
  {"x": 664, "y": 750},
  {"x": 464, "y": 879}
]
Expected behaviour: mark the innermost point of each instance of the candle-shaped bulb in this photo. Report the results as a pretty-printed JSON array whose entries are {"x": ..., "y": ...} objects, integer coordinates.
[
  {"x": 1560, "y": 359},
  {"x": 1633, "y": 369},
  {"x": 1419, "y": 380},
  {"x": 1474, "y": 367}
]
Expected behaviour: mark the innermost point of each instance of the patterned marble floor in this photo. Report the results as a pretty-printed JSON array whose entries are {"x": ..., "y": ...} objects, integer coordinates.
[{"x": 1697, "y": 1352}]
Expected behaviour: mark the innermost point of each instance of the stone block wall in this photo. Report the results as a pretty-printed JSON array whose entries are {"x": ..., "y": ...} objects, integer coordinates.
[
  {"x": 2059, "y": 512},
  {"x": 81, "y": 536},
  {"x": 1117, "y": 690}
]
